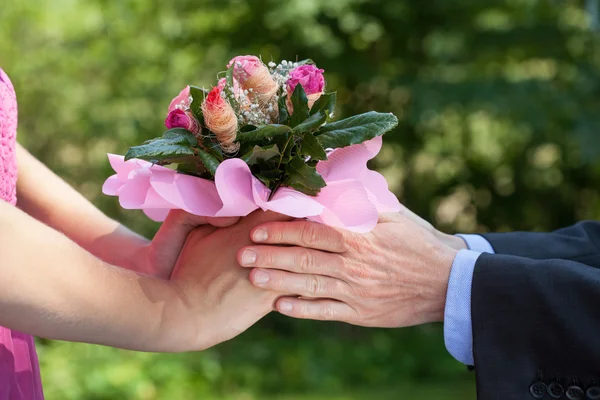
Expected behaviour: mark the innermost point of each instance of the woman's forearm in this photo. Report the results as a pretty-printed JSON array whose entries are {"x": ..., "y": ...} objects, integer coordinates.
[
  {"x": 49, "y": 199},
  {"x": 50, "y": 287}
]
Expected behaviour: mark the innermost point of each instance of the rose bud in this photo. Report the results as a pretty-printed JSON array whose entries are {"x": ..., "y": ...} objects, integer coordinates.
[
  {"x": 255, "y": 77},
  {"x": 182, "y": 101},
  {"x": 312, "y": 81},
  {"x": 178, "y": 118},
  {"x": 220, "y": 118}
]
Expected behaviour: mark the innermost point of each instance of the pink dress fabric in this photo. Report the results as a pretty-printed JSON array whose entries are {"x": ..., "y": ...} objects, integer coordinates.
[{"x": 19, "y": 367}]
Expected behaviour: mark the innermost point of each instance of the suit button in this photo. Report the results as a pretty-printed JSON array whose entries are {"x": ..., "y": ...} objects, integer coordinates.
[
  {"x": 593, "y": 393},
  {"x": 538, "y": 390},
  {"x": 575, "y": 393},
  {"x": 555, "y": 390}
]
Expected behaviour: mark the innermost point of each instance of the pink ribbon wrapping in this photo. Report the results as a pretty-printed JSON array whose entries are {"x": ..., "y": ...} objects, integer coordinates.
[{"x": 352, "y": 200}]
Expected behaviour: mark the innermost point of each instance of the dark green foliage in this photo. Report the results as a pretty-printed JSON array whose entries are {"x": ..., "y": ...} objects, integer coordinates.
[
  {"x": 174, "y": 144},
  {"x": 356, "y": 129}
]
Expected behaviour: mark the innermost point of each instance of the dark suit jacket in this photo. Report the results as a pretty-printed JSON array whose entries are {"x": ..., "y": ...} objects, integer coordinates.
[{"x": 536, "y": 315}]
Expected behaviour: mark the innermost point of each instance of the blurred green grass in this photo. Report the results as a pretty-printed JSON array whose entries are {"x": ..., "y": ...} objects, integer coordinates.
[{"x": 312, "y": 361}]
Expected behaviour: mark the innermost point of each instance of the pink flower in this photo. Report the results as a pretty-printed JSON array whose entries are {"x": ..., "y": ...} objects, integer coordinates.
[
  {"x": 245, "y": 67},
  {"x": 353, "y": 198},
  {"x": 178, "y": 118},
  {"x": 220, "y": 118},
  {"x": 309, "y": 76},
  {"x": 255, "y": 77},
  {"x": 312, "y": 81},
  {"x": 183, "y": 100}
]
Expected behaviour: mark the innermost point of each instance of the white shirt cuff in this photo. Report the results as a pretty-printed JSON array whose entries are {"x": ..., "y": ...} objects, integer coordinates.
[
  {"x": 458, "y": 332},
  {"x": 477, "y": 243}
]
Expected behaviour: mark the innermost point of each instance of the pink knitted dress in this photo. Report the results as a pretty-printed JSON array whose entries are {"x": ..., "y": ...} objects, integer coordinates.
[{"x": 19, "y": 369}]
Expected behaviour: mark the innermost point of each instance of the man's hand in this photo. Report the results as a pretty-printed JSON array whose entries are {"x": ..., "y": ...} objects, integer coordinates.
[
  {"x": 456, "y": 242},
  {"x": 395, "y": 276}
]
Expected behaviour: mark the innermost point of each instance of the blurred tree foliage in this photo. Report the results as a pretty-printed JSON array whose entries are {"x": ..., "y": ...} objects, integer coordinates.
[{"x": 499, "y": 104}]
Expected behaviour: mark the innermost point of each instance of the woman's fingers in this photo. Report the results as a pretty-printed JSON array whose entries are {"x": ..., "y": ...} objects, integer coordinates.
[{"x": 320, "y": 309}]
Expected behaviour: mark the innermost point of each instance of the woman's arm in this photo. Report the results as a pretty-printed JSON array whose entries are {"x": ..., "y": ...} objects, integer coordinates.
[
  {"x": 49, "y": 199},
  {"x": 52, "y": 288}
]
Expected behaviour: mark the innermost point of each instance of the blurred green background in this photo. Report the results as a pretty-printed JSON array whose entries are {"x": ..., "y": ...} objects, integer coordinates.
[{"x": 499, "y": 104}]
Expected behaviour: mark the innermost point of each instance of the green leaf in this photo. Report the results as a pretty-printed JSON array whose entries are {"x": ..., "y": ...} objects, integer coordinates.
[
  {"x": 269, "y": 177},
  {"x": 247, "y": 128},
  {"x": 229, "y": 76},
  {"x": 180, "y": 134},
  {"x": 175, "y": 143},
  {"x": 212, "y": 147},
  {"x": 210, "y": 162},
  {"x": 311, "y": 123},
  {"x": 356, "y": 129},
  {"x": 191, "y": 168},
  {"x": 319, "y": 113},
  {"x": 263, "y": 132},
  {"x": 300, "y": 103},
  {"x": 198, "y": 94},
  {"x": 228, "y": 89},
  {"x": 261, "y": 154},
  {"x": 284, "y": 114},
  {"x": 325, "y": 103},
  {"x": 303, "y": 177},
  {"x": 307, "y": 61},
  {"x": 310, "y": 146}
]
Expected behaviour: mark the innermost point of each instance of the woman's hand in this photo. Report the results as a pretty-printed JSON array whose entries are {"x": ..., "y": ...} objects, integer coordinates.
[
  {"x": 216, "y": 301},
  {"x": 60, "y": 291},
  {"x": 158, "y": 257}
]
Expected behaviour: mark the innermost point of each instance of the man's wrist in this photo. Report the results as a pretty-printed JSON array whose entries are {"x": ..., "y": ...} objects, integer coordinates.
[
  {"x": 453, "y": 241},
  {"x": 446, "y": 260}
]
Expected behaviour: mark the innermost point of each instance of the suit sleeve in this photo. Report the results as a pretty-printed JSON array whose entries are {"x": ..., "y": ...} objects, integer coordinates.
[
  {"x": 536, "y": 323},
  {"x": 576, "y": 243}
]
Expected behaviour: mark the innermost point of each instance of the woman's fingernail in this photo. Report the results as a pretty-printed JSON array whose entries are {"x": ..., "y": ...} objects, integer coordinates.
[
  {"x": 285, "y": 306},
  {"x": 249, "y": 257},
  {"x": 260, "y": 235},
  {"x": 261, "y": 277}
]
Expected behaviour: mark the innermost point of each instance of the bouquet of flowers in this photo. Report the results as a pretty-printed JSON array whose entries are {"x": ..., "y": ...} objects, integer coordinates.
[{"x": 261, "y": 138}]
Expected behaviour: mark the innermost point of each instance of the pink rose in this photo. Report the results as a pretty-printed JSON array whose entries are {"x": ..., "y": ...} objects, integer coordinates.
[
  {"x": 178, "y": 118},
  {"x": 255, "y": 77},
  {"x": 220, "y": 118},
  {"x": 245, "y": 66},
  {"x": 309, "y": 76},
  {"x": 182, "y": 100}
]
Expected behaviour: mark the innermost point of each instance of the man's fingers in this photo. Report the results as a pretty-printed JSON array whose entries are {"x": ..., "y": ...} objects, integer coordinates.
[
  {"x": 293, "y": 259},
  {"x": 191, "y": 220},
  {"x": 404, "y": 214},
  {"x": 312, "y": 286},
  {"x": 321, "y": 309},
  {"x": 260, "y": 217},
  {"x": 393, "y": 217},
  {"x": 181, "y": 223},
  {"x": 222, "y": 222},
  {"x": 302, "y": 233}
]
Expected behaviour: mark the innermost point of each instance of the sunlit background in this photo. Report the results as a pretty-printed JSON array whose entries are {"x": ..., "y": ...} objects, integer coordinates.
[{"x": 499, "y": 103}]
